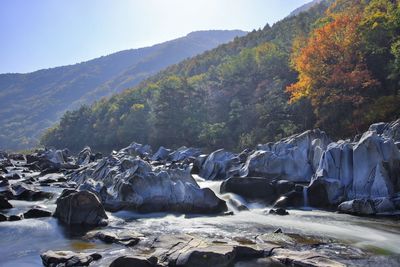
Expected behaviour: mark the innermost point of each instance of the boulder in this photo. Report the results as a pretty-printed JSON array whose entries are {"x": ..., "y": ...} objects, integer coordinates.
[
  {"x": 15, "y": 217},
  {"x": 161, "y": 154},
  {"x": 126, "y": 238},
  {"x": 292, "y": 199},
  {"x": 4, "y": 204},
  {"x": 3, "y": 217},
  {"x": 220, "y": 165},
  {"x": 23, "y": 191},
  {"x": 138, "y": 149},
  {"x": 37, "y": 213},
  {"x": 294, "y": 158},
  {"x": 184, "y": 153},
  {"x": 134, "y": 261},
  {"x": 250, "y": 188},
  {"x": 357, "y": 207},
  {"x": 369, "y": 168},
  {"x": 279, "y": 211},
  {"x": 80, "y": 208},
  {"x": 68, "y": 258},
  {"x": 85, "y": 156}
]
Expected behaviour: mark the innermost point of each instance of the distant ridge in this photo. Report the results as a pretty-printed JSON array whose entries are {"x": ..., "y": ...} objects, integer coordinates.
[{"x": 32, "y": 102}]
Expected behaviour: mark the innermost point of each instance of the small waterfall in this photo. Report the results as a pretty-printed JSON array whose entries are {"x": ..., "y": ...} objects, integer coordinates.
[{"x": 305, "y": 196}]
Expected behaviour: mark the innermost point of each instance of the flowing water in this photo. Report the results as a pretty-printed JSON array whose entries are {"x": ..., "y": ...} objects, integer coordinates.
[{"x": 22, "y": 242}]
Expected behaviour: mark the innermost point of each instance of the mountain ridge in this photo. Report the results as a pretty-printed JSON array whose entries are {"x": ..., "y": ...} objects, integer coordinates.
[{"x": 34, "y": 101}]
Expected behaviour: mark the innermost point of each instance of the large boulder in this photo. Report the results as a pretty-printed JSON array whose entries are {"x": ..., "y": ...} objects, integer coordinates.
[
  {"x": 125, "y": 182},
  {"x": 220, "y": 165},
  {"x": 367, "y": 169},
  {"x": 294, "y": 158},
  {"x": 250, "y": 188},
  {"x": 138, "y": 149},
  {"x": 80, "y": 208}
]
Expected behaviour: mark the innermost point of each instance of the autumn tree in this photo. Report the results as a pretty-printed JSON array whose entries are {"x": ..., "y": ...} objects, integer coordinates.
[{"x": 333, "y": 74}]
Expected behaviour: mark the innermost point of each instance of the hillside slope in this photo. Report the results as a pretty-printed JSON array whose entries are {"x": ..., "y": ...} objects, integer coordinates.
[
  {"x": 334, "y": 66},
  {"x": 34, "y": 101}
]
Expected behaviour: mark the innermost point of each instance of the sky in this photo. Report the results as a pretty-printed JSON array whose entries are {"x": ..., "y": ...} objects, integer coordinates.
[{"x": 37, "y": 34}]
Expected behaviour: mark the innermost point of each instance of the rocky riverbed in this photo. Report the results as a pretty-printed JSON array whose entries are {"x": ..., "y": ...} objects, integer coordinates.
[{"x": 303, "y": 201}]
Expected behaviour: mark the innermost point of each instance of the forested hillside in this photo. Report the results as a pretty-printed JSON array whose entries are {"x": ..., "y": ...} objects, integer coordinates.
[
  {"x": 32, "y": 102},
  {"x": 335, "y": 66}
]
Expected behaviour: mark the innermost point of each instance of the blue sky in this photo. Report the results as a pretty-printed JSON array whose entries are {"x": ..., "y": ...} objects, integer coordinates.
[{"x": 38, "y": 34}]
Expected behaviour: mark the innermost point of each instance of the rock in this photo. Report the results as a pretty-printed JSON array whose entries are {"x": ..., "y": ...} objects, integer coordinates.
[
  {"x": 132, "y": 261},
  {"x": 358, "y": 207},
  {"x": 3, "y": 217},
  {"x": 84, "y": 156},
  {"x": 13, "y": 176},
  {"x": 184, "y": 153},
  {"x": 278, "y": 211},
  {"x": 37, "y": 213},
  {"x": 23, "y": 191},
  {"x": 68, "y": 258},
  {"x": 138, "y": 149},
  {"x": 161, "y": 154},
  {"x": 220, "y": 165},
  {"x": 250, "y": 188},
  {"x": 278, "y": 231},
  {"x": 383, "y": 205},
  {"x": 4, "y": 204},
  {"x": 126, "y": 238},
  {"x": 123, "y": 182},
  {"x": 81, "y": 207},
  {"x": 283, "y": 186},
  {"x": 294, "y": 158},
  {"x": 304, "y": 258},
  {"x": 317, "y": 195},
  {"x": 291, "y": 199},
  {"x": 16, "y": 217}
]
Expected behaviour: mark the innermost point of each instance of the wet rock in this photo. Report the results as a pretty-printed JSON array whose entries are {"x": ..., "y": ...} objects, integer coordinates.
[
  {"x": 185, "y": 250},
  {"x": 283, "y": 186},
  {"x": 278, "y": 231},
  {"x": 68, "y": 258},
  {"x": 23, "y": 191},
  {"x": 250, "y": 188},
  {"x": 279, "y": 211},
  {"x": 4, "y": 204},
  {"x": 13, "y": 218},
  {"x": 4, "y": 182},
  {"x": 134, "y": 261},
  {"x": 126, "y": 238},
  {"x": 220, "y": 165},
  {"x": 294, "y": 158},
  {"x": 304, "y": 258},
  {"x": 317, "y": 195},
  {"x": 291, "y": 199},
  {"x": 184, "y": 153},
  {"x": 3, "y": 217},
  {"x": 358, "y": 207},
  {"x": 37, "y": 213},
  {"x": 84, "y": 156},
  {"x": 81, "y": 207}
]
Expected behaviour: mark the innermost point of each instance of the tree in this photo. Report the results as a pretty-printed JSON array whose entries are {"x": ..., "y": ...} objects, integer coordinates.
[{"x": 333, "y": 74}]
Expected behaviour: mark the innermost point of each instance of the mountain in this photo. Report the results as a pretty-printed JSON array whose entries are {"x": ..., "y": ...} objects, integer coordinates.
[
  {"x": 208, "y": 100},
  {"x": 304, "y": 8},
  {"x": 336, "y": 70},
  {"x": 34, "y": 101}
]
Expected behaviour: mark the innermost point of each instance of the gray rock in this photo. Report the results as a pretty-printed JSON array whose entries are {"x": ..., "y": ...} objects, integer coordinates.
[
  {"x": 295, "y": 158},
  {"x": 138, "y": 149},
  {"x": 68, "y": 258},
  {"x": 358, "y": 207},
  {"x": 161, "y": 154},
  {"x": 220, "y": 165},
  {"x": 81, "y": 207},
  {"x": 3, "y": 217}
]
